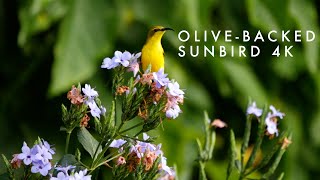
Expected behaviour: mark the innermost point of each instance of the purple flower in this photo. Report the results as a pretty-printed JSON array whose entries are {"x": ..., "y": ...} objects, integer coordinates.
[
  {"x": 125, "y": 59},
  {"x": 117, "y": 143},
  {"x": 109, "y": 63},
  {"x": 276, "y": 113},
  {"x": 61, "y": 176},
  {"x": 89, "y": 92},
  {"x": 65, "y": 169},
  {"x": 145, "y": 136},
  {"x": 122, "y": 58},
  {"x": 160, "y": 78},
  {"x": 48, "y": 146},
  {"x": 252, "y": 109},
  {"x": 42, "y": 154},
  {"x": 103, "y": 110},
  {"x": 135, "y": 57},
  {"x": 173, "y": 111},
  {"x": 26, "y": 155},
  {"x": 158, "y": 150},
  {"x": 164, "y": 166},
  {"x": 142, "y": 147},
  {"x": 39, "y": 167},
  {"x": 134, "y": 67},
  {"x": 38, "y": 156},
  {"x": 272, "y": 128},
  {"x": 94, "y": 109},
  {"x": 81, "y": 175},
  {"x": 174, "y": 89}
]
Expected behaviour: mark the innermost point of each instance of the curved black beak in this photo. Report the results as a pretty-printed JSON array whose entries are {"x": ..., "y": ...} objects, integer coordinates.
[{"x": 166, "y": 29}]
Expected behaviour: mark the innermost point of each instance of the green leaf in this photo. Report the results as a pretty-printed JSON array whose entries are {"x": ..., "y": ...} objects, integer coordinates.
[
  {"x": 97, "y": 125},
  {"x": 10, "y": 171},
  {"x": 199, "y": 148},
  {"x": 258, "y": 140},
  {"x": 212, "y": 144},
  {"x": 109, "y": 121},
  {"x": 233, "y": 154},
  {"x": 244, "y": 80},
  {"x": 246, "y": 138},
  {"x": 305, "y": 15},
  {"x": 89, "y": 143},
  {"x": 67, "y": 160},
  {"x": 281, "y": 176},
  {"x": 6, "y": 161},
  {"x": 38, "y": 16},
  {"x": 261, "y": 16},
  {"x": 85, "y": 35}
]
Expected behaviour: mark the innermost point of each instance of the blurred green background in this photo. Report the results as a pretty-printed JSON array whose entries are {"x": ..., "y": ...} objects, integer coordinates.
[{"x": 46, "y": 46}]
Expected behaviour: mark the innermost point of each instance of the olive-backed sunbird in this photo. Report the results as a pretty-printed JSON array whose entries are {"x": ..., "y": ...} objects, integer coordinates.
[{"x": 152, "y": 52}]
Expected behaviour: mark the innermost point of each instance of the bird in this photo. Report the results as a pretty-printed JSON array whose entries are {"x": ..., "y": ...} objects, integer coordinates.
[{"x": 152, "y": 53}]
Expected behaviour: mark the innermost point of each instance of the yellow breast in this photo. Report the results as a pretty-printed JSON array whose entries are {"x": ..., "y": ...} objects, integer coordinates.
[{"x": 152, "y": 54}]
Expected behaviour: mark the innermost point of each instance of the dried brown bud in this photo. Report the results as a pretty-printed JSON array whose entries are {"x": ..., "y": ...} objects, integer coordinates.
[
  {"x": 146, "y": 79},
  {"x": 121, "y": 90},
  {"x": 149, "y": 159},
  {"x": 84, "y": 121},
  {"x": 121, "y": 160},
  {"x": 74, "y": 95},
  {"x": 15, "y": 162}
]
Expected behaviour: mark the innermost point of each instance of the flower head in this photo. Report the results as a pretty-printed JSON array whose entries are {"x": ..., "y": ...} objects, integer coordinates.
[
  {"x": 109, "y": 63},
  {"x": 121, "y": 160},
  {"x": 74, "y": 95},
  {"x": 272, "y": 128},
  {"x": 94, "y": 109},
  {"x": 174, "y": 89},
  {"x": 26, "y": 155},
  {"x": 125, "y": 59},
  {"x": 276, "y": 113},
  {"x": 85, "y": 121},
  {"x": 121, "y": 90},
  {"x": 173, "y": 111},
  {"x": 145, "y": 136},
  {"x": 160, "y": 78},
  {"x": 146, "y": 78},
  {"x": 38, "y": 157},
  {"x": 81, "y": 175},
  {"x": 65, "y": 169},
  {"x": 15, "y": 162},
  {"x": 48, "y": 146},
  {"x": 164, "y": 167},
  {"x": 272, "y": 120},
  {"x": 89, "y": 92},
  {"x": 117, "y": 143},
  {"x": 254, "y": 110},
  {"x": 42, "y": 168},
  {"x": 134, "y": 67},
  {"x": 122, "y": 58},
  {"x": 61, "y": 176},
  {"x": 42, "y": 154}
]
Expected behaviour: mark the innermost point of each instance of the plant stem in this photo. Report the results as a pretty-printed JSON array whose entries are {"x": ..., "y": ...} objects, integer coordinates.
[
  {"x": 137, "y": 125},
  {"x": 202, "y": 173},
  {"x": 67, "y": 141},
  {"x": 106, "y": 146},
  {"x": 244, "y": 147},
  {"x": 97, "y": 149}
]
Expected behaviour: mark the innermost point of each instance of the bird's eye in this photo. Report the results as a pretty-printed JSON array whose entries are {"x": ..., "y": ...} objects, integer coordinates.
[{"x": 155, "y": 30}]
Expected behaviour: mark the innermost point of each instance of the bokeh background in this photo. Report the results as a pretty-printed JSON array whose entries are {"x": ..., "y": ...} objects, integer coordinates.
[{"x": 46, "y": 46}]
